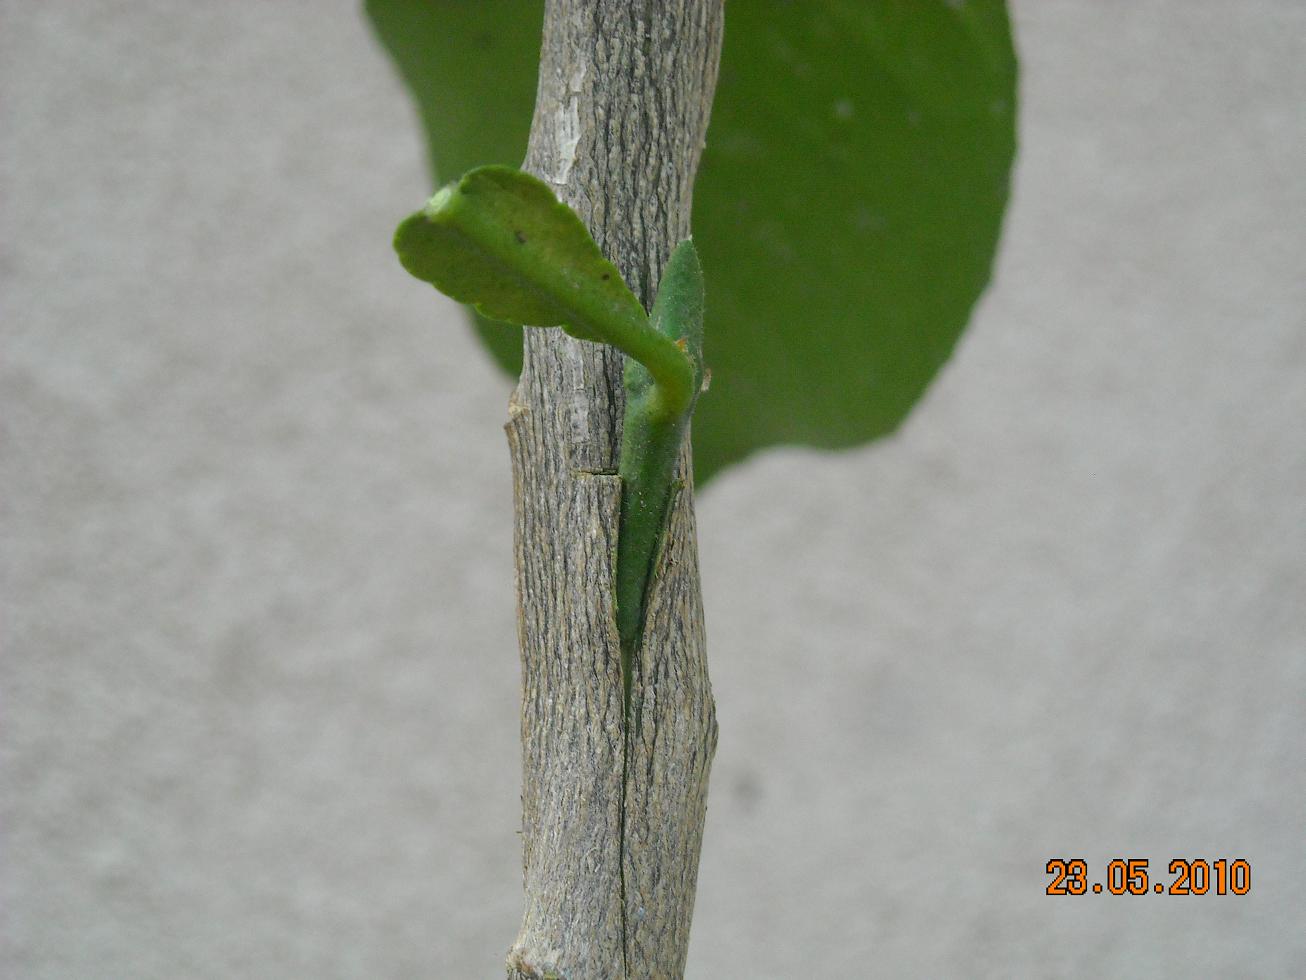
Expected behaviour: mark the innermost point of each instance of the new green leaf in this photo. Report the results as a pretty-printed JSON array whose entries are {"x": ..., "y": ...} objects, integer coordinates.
[{"x": 499, "y": 240}]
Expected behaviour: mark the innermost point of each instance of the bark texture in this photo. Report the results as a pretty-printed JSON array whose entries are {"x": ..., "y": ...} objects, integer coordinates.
[{"x": 612, "y": 820}]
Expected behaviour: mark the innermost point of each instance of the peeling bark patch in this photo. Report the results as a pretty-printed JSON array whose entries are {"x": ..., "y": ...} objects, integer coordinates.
[{"x": 568, "y": 125}]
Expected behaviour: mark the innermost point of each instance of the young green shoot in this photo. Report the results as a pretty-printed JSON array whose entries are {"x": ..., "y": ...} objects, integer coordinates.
[{"x": 499, "y": 239}]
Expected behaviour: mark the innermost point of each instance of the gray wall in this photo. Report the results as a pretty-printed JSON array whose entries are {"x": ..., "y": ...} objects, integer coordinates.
[{"x": 259, "y": 658}]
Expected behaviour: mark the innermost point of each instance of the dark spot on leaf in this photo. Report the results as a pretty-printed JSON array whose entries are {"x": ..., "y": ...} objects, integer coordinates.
[
  {"x": 521, "y": 239},
  {"x": 607, "y": 276}
]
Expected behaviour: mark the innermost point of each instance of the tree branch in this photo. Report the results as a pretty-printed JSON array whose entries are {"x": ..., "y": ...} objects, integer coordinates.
[{"x": 611, "y": 820}]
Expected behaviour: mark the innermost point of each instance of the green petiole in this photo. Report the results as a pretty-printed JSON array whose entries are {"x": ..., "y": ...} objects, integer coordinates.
[
  {"x": 499, "y": 239},
  {"x": 651, "y": 435}
]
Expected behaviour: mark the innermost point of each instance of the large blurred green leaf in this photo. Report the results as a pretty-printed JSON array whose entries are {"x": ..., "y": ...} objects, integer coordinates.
[
  {"x": 471, "y": 67},
  {"x": 847, "y": 208}
]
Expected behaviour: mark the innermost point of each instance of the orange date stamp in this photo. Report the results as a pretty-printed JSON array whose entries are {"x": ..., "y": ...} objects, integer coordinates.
[{"x": 1130, "y": 876}]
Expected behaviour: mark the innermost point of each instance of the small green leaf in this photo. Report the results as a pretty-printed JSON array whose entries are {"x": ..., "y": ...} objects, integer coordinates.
[{"x": 499, "y": 239}]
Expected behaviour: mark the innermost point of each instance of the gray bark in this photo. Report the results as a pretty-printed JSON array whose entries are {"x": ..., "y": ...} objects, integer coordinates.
[{"x": 612, "y": 820}]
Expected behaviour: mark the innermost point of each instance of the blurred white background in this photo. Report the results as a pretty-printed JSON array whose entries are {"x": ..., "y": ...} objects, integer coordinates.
[{"x": 258, "y": 687}]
